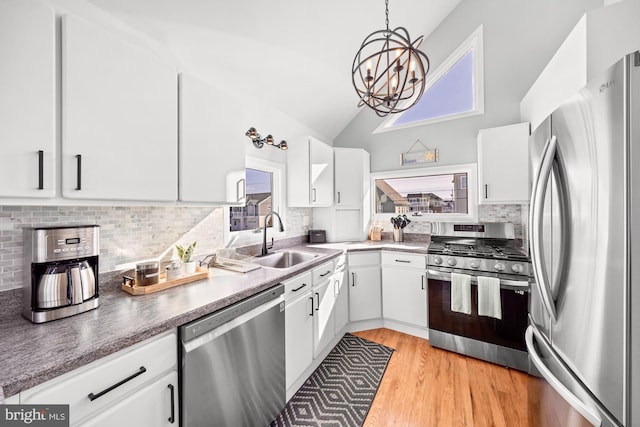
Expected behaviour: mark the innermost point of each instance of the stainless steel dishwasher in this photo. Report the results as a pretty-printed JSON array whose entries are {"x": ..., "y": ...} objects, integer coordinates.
[{"x": 232, "y": 364}]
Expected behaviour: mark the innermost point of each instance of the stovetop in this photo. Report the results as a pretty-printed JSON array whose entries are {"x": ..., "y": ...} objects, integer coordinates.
[{"x": 478, "y": 249}]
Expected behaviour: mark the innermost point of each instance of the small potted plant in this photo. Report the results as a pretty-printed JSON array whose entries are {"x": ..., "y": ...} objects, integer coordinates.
[{"x": 185, "y": 256}]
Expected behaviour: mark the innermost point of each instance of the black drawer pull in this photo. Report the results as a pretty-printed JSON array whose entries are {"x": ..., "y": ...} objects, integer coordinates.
[
  {"x": 324, "y": 274},
  {"x": 299, "y": 287},
  {"x": 40, "y": 170},
  {"x": 403, "y": 260},
  {"x": 93, "y": 397},
  {"x": 172, "y": 418},
  {"x": 79, "y": 173}
]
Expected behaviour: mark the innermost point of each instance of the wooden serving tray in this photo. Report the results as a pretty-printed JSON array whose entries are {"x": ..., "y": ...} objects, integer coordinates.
[{"x": 201, "y": 273}]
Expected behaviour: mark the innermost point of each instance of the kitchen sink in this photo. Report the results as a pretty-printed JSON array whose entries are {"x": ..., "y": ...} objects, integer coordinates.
[{"x": 284, "y": 259}]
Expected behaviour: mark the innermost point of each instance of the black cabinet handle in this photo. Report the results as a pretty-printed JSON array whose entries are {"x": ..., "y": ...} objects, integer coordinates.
[
  {"x": 311, "y": 314},
  {"x": 422, "y": 280},
  {"x": 486, "y": 191},
  {"x": 79, "y": 173},
  {"x": 172, "y": 418},
  {"x": 338, "y": 197},
  {"x": 403, "y": 260},
  {"x": 93, "y": 397},
  {"x": 318, "y": 299},
  {"x": 314, "y": 195},
  {"x": 324, "y": 274},
  {"x": 299, "y": 287},
  {"x": 353, "y": 279},
  {"x": 40, "y": 170}
]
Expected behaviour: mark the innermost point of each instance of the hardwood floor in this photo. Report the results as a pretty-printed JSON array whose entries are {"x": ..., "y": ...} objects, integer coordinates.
[{"x": 427, "y": 386}]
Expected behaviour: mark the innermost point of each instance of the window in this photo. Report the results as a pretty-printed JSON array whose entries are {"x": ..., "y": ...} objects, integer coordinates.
[
  {"x": 259, "y": 202},
  {"x": 264, "y": 190},
  {"x": 435, "y": 193},
  {"x": 452, "y": 91}
]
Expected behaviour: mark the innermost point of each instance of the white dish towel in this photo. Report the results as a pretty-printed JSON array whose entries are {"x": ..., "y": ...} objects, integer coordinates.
[
  {"x": 489, "y": 303},
  {"x": 461, "y": 293}
]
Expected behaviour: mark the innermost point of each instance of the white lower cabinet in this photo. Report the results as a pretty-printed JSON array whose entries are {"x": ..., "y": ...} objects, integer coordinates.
[
  {"x": 365, "y": 294},
  {"x": 341, "y": 291},
  {"x": 298, "y": 326},
  {"x": 404, "y": 288},
  {"x": 160, "y": 399},
  {"x": 135, "y": 380},
  {"x": 323, "y": 316}
]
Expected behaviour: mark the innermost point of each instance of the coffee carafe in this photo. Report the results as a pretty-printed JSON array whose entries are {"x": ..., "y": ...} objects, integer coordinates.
[{"x": 63, "y": 262}]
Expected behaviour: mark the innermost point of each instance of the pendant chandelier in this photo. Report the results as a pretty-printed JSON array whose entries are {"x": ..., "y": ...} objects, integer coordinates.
[{"x": 389, "y": 71}]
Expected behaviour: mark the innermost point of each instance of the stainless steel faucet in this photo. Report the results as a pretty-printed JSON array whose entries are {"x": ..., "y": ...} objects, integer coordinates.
[{"x": 265, "y": 250}]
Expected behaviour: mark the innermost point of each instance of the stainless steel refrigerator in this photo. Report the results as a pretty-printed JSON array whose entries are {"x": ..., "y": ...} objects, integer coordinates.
[{"x": 583, "y": 336}]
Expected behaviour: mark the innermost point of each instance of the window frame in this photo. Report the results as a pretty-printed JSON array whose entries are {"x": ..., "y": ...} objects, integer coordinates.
[
  {"x": 473, "y": 42},
  {"x": 472, "y": 192},
  {"x": 277, "y": 198}
]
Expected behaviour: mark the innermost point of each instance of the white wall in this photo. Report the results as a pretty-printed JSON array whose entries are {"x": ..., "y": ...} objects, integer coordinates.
[{"x": 520, "y": 37}]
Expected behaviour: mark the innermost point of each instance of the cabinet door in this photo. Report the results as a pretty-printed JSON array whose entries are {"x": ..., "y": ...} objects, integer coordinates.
[
  {"x": 152, "y": 406},
  {"x": 321, "y": 159},
  {"x": 503, "y": 164},
  {"x": 120, "y": 118},
  {"x": 348, "y": 176},
  {"x": 298, "y": 327},
  {"x": 212, "y": 158},
  {"x": 404, "y": 295},
  {"x": 341, "y": 292},
  {"x": 27, "y": 100},
  {"x": 365, "y": 294},
  {"x": 323, "y": 316}
]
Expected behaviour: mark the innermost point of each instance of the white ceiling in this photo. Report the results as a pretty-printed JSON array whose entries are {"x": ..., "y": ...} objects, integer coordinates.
[{"x": 297, "y": 54}]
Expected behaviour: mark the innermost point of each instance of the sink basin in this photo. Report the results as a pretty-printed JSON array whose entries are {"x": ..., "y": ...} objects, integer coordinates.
[{"x": 284, "y": 259}]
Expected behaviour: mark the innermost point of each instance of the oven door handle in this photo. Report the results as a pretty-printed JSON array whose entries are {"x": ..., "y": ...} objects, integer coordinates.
[{"x": 441, "y": 275}]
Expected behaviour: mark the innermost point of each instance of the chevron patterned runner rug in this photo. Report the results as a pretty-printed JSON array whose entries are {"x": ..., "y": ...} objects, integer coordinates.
[{"x": 340, "y": 392}]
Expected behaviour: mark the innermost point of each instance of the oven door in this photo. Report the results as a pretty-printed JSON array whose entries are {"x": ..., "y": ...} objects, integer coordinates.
[{"x": 506, "y": 332}]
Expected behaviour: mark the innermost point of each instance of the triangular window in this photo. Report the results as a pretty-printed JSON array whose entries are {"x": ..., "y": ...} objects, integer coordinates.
[{"x": 453, "y": 91}]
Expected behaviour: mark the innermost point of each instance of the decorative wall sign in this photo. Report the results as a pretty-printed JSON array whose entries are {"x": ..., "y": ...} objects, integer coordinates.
[{"x": 430, "y": 155}]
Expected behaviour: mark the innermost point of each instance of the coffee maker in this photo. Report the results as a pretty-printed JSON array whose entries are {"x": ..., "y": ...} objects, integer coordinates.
[{"x": 61, "y": 271}]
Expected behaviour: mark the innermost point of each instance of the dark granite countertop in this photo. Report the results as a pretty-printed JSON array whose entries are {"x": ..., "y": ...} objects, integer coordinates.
[{"x": 31, "y": 354}]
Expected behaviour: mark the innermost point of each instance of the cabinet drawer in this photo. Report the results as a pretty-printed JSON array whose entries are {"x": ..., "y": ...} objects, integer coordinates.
[
  {"x": 322, "y": 273},
  {"x": 364, "y": 258},
  {"x": 401, "y": 259},
  {"x": 297, "y": 286},
  {"x": 148, "y": 360}
]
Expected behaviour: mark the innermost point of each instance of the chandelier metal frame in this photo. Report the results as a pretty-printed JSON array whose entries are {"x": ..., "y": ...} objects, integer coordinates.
[{"x": 389, "y": 70}]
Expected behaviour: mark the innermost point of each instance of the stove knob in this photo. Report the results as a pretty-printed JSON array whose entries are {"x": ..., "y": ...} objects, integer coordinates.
[
  {"x": 437, "y": 260},
  {"x": 452, "y": 262},
  {"x": 517, "y": 268},
  {"x": 474, "y": 264},
  {"x": 499, "y": 266}
]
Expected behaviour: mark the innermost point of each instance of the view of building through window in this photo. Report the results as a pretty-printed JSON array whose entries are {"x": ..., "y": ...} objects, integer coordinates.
[
  {"x": 258, "y": 202},
  {"x": 433, "y": 194}
]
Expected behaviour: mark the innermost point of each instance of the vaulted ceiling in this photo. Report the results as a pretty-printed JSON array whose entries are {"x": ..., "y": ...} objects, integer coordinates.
[{"x": 295, "y": 54}]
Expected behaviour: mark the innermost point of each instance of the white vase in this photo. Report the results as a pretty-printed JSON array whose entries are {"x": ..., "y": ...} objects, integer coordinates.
[{"x": 189, "y": 267}]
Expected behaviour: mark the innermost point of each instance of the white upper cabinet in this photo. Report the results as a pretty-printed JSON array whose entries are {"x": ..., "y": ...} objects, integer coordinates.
[
  {"x": 503, "y": 164},
  {"x": 119, "y": 118},
  {"x": 309, "y": 173},
  {"x": 351, "y": 176},
  {"x": 212, "y": 158},
  {"x": 27, "y": 99}
]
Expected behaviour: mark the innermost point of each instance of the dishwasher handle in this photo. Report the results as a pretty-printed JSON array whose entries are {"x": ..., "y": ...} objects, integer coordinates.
[{"x": 204, "y": 338}]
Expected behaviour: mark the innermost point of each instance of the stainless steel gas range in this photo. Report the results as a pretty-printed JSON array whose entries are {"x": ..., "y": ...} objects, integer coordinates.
[{"x": 479, "y": 292}]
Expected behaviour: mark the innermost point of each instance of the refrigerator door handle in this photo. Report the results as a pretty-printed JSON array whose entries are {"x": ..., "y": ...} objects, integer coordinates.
[
  {"x": 566, "y": 394},
  {"x": 536, "y": 223}
]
